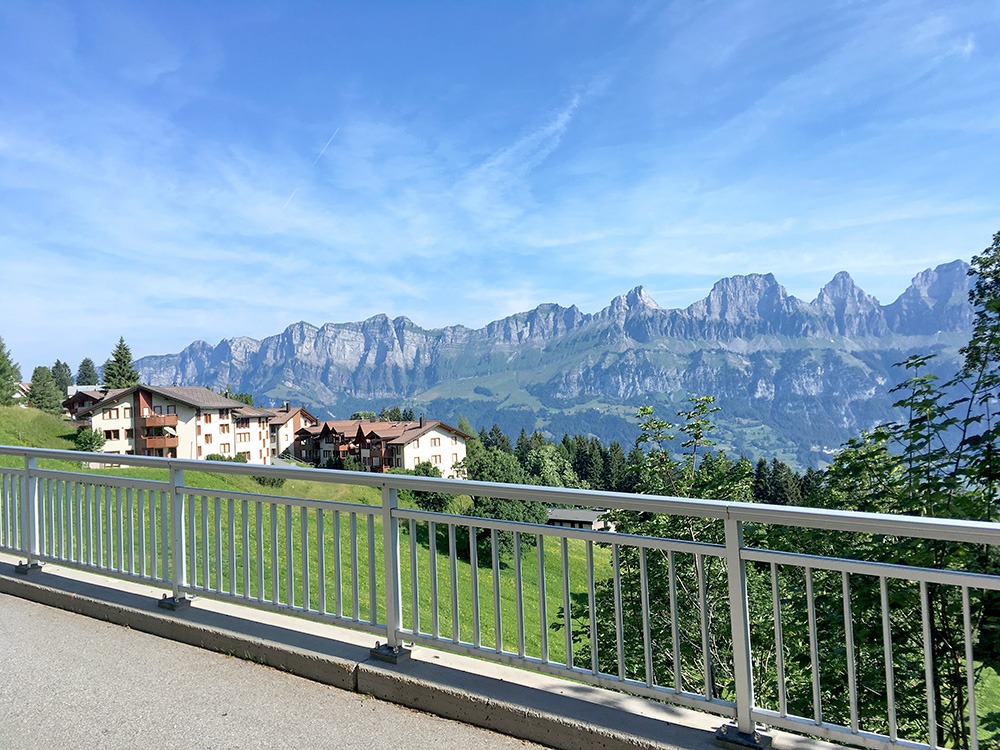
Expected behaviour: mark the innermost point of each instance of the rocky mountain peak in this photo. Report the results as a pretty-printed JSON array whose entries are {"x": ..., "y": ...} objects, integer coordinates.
[
  {"x": 741, "y": 298},
  {"x": 936, "y": 300},
  {"x": 854, "y": 312}
]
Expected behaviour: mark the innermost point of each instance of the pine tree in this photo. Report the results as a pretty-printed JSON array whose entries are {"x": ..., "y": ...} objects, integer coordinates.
[
  {"x": 10, "y": 376},
  {"x": 43, "y": 393},
  {"x": 63, "y": 376},
  {"x": 86, "y": 373},
  {"x": 118, "y": 370}
]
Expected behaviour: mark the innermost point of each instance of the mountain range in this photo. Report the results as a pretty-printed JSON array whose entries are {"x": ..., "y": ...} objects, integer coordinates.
[{"x": 794, "y": 379}]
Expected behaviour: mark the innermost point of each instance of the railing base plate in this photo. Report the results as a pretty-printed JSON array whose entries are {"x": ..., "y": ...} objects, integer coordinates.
[
  {"x": 175, "y": 603},
  {"x": 387, "y": 653},
  {"x": 26, "y": 568},
  {"x": 729, "y": 737}
]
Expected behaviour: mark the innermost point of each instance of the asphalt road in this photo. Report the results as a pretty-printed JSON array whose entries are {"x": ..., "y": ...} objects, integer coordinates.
[{"x": 68, "y": 681}]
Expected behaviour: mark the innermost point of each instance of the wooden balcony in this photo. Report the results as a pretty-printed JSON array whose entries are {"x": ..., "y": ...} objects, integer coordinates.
[
  {"x": 161, "y": 441},
  {"x": 159, "y": 420}
]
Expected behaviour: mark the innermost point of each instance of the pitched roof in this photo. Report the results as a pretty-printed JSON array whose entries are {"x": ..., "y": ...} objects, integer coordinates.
[
  {"x": 281, "y": 416},
  {"x": 192, "y": 395}
]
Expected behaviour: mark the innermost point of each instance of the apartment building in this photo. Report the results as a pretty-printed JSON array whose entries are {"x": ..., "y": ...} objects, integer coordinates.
[
  {"x": 180, "y": 422},
  {"x": 285, "y": 423}
]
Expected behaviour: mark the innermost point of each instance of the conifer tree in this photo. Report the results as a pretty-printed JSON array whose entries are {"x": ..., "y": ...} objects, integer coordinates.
[
  {"x": 43, "y": 394},
  {"x": 118, "y": 370},
  {"x": 10, "y": 376},
  {"x": 63, "y": 376},
  {"x": 86, "y": 373}
]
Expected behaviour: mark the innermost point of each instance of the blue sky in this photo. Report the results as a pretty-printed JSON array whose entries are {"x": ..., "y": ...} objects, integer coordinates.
[{"x": 180, "y": 171}]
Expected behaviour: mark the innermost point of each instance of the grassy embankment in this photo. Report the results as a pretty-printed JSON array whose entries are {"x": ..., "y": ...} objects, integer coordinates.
[{"x": 29, "y": 427}]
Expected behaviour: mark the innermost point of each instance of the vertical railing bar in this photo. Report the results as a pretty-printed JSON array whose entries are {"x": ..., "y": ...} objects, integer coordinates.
[
  {"x": 519, "y": 594},
  {"x": 78, "y": 522},
  {"x": 567, "y": 613},
  {"x": 619, "y": 624},
  {"x": 192, "y": 503},
  {"x": 393, "y": 591},
  {"x": 970, "y": 670},
  {"x": 474, "y": 566},
  {"x": 852, "y": 680},
  {"x": 218, "y": 544},
  {"x": 60, "y": 528},
  {"x": 355, "y": 588},
  {"x": 674, "y": 621},
  {"x": 289, "y": 559},
  {"x": 706, "y": 653},
  {"x": 414, "y": 580},
  {"x": 130, "y": 530},
  {"x": 153, "y": 497},
  {"x": 120, "y": 530},
  {"x": 259, "y": 528},
  {"x": 432, "y": 541},
  {"x": 206, "y": 545},
  {"x": 231, "y": 511},
  {"x": 779, "y": 641},
  {"x": 647, "y": 648},
  {"x": 372, "y": 594},
  {"x": 4, "y": 512},
  {"x": 321, "y": 561},
  {"x": 542, "y": 603},
  {"x": 925, "y": 617},
  {"x": 47, "y": 515},
  {"x": 453, "y": 559},
  {"x": 165, "y": 537},
  {"x": 338, "y": 589},
  {"x": 107, "y": 543},
  {"x": 141, "y": 497},
  {"x": 813, "y": 648},
  {"x": 890, "y": 679},
  {"x": 275, "y": 554},
  {"x": 177, "y": 570},
  {"x": 497, "y": 621},
  {"x": 245, "y": 546},
  {"x": 88, "y": 509},
  {"x": 304, "y": 549},
  {"x": 592, "y": 604}
]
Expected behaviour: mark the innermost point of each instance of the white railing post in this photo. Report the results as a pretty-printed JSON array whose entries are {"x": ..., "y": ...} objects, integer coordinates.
[
  {"x": 392, "y": 651},
  {"x": 30, "y": 535},
  {"x": 744, "y": 733},
  {"x": 178, "y": 545}
]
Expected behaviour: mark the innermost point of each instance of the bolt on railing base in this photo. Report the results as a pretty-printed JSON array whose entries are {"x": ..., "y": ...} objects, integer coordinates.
[
  {"x": 729, "y": 737},
  {"x": 387, "y": 653},
  {"x": 175, "y": 603},
  {"x": 28, "y": 568}
]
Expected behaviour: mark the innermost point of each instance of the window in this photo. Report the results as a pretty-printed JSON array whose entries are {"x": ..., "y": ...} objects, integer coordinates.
[
  {"x": 208, "y": 419},
  {"x": 436, "y": 459},
  {"x": 416, "y": 460},
  {"x": 416, "y": 443},
  {"x": 223, "y": 413},
  {"x": 454, "y": 440},
  {"x": 242, "y": 437},
  {"x": 127, "y": 412},
  {"x": 129, "y": 433},
  {"x": 435, "y": 442},
  {"x": 111, "y": 413},
  {"x": 157, "y": 410},
  {"x": 225, "y": 447},
  {"x": 246, "y": 455},
  {"x": 111, "y": 434},
  {"x": 242, "y": 424},
  {"x": 171, "y": 409},
  {"x": 199, "y": 451},
  {"x": 208, "y": 439},
  {"x": 224, "y": 428},
  {"x": 454, "y": 458}
]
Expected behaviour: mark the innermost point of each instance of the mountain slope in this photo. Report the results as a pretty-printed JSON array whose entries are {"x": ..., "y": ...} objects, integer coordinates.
[{"x": 793, "y": 377}]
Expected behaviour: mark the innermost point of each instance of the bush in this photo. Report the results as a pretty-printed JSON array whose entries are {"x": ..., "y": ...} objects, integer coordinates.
[{"x": 91, "y": 441}]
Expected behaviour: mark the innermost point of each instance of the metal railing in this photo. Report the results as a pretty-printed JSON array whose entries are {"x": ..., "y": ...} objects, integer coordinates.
[{"x": 762, "y": 635}]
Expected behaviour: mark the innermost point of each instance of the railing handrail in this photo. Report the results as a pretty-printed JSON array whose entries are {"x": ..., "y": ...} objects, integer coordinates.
[{"x": 883, "y": 524}]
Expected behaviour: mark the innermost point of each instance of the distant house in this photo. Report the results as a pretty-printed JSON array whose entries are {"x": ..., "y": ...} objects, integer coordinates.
[
  {"x": 21, "y": 392},
  {"x": 80, "y": 400},
  {"x": 381, "y": 445},
  {"x": 579, "y": 518},
  {"x": 285, "y": 423},
  {"x": 179, "y": 422}
]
